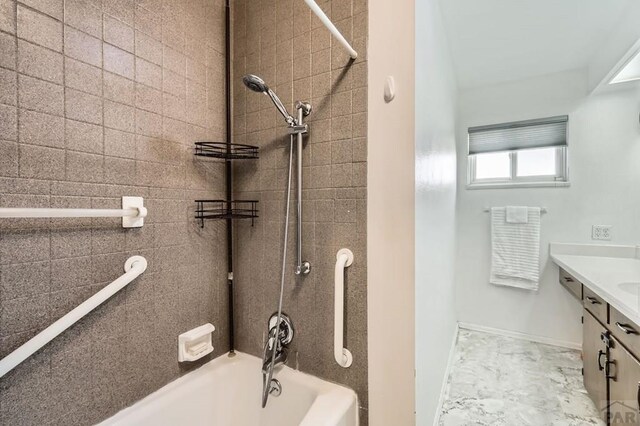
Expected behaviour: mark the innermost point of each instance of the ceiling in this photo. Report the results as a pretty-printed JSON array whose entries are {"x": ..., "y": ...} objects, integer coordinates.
[{"x": 497, "y": 41}]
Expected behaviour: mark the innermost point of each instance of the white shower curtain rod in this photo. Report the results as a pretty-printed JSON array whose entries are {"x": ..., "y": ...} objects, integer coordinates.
[{"x": 332, "y": 28}]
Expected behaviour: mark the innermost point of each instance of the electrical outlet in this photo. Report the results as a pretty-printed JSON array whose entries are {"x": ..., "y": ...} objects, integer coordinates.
[{"x": 601, "y": 232}]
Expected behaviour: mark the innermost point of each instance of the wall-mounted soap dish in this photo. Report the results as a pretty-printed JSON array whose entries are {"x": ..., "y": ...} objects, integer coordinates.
[{"x": 196, "y": 343}]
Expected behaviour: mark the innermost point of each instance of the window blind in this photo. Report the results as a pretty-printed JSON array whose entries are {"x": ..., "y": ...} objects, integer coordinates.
[{"x": 538, "y": 133}]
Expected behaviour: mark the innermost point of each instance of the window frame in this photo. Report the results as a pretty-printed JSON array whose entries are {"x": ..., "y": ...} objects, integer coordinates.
[{"x": 560, "y": 179}]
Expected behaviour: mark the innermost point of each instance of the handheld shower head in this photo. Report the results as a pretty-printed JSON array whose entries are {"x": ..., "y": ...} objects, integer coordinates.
[{"x": 255, "y": 83}]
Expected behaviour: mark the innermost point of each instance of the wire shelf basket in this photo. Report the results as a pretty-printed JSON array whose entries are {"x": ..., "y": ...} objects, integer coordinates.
[
  {"x": 223, "y": 209},
  {"x": 226, "y": 151}
]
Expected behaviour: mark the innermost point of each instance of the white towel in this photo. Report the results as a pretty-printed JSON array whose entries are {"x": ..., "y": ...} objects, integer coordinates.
[
  {"x": 515, "y": 250},
  {"x": 517, "y": 214}
]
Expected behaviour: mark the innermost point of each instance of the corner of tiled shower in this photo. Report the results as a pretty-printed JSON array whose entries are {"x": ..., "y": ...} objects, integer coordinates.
[{"x": 104, "y": 99}]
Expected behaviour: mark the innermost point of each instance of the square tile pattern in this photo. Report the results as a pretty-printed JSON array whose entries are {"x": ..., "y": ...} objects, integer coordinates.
[
  {"x": 283, "y": 42},
  {"x": 101, "y": 99},
  {"x": 497, "y": 380}
]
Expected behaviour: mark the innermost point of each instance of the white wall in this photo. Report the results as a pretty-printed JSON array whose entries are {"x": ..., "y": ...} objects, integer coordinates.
[
  {"x": 624, "y": 37},
  {"x": 435, "y": 114},
  {"x": 390, "y": 215},
  {"x": 604, "y": 154}
]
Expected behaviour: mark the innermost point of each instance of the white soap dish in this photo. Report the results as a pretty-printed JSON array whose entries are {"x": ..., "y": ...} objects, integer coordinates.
[{"x": 196, "y": 343}]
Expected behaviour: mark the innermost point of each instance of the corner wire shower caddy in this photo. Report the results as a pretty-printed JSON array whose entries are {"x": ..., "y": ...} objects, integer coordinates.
[
  {"x": 226, "y": 151},
  {"x": 226, "y": 209},
  {"x": 223, "y": 209}
]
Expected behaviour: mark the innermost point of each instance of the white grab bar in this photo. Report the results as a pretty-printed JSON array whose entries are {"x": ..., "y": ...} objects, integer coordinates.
[
  {"x": 332, "y": 28},
  {"x": 133, "y": 267},
  {"x": 132, "y": 212},
  {"x": 340, "y": 353}
]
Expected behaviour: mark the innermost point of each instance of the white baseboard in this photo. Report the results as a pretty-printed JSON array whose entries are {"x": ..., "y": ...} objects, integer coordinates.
[
  {"x": 522, "y": 336},
  {"x": 443, "y": 389}
]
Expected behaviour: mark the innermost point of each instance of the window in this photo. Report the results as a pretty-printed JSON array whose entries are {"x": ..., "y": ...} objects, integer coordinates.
[{"x": 523, "y": 153}]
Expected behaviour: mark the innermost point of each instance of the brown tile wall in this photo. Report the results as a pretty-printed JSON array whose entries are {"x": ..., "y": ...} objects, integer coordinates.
[
  {"x": 100, "y": 99},
  {"x": 282, "y": 41}
]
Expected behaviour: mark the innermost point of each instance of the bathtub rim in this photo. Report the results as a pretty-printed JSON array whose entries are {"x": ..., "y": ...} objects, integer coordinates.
[{"x": 323, "y": 411}]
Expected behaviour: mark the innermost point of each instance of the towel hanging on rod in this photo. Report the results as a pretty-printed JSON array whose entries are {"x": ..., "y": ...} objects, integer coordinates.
[{"x": 515, "y": 250}]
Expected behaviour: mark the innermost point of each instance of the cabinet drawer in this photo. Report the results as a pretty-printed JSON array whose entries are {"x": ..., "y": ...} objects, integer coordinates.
[
  {"x": 594, "y": 304},
  {"x": 625, "y": 331},
  {"x": 573, "y": 285}
]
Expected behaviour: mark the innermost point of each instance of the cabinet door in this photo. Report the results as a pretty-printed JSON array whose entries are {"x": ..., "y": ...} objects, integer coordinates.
[
  {"x": 624, "y": 382},
  {"x": 594, "y": 353}
]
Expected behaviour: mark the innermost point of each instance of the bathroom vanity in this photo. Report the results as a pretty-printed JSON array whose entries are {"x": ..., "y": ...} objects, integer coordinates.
[{"x": 606, "y": 280}]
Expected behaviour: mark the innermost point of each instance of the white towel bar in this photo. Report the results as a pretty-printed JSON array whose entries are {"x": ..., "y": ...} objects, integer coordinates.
[
  {"x": 340, "y": 353},
  {"x": 134, "y": 266},
  {"x": 132, "y": 212},
  {"x": 332, "y": 28}
]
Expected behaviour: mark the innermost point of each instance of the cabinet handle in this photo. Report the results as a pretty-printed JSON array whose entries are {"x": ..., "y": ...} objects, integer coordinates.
[
  {"x": 594, "y": 301},
  {"x": 626, "y": 328},
  {"x": 600, "y": 366},
  {"x": 638, "y": 395},
  {"x": 568, "y": 279}
]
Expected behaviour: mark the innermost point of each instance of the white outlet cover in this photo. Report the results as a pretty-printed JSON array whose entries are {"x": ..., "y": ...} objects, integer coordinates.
[{"x": 601, "y": 232}]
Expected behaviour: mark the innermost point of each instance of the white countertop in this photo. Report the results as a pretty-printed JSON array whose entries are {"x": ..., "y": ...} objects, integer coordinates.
[{"x": 612, "y": 272}]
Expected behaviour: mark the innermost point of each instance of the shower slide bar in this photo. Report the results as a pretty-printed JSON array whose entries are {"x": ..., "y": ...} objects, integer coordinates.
[
  {"x": 133, "y": 267},
  {"x": 332, "y": 28},
  {"x": 132, "y": 212},
  {"x": 341, "y": 354}
]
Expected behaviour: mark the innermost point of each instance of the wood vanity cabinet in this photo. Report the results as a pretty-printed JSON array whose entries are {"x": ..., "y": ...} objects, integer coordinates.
[{"x": 610, "y": 353}]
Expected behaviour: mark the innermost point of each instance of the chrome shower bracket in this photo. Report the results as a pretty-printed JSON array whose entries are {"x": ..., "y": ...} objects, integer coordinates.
[{"x": 298, "y": 129}]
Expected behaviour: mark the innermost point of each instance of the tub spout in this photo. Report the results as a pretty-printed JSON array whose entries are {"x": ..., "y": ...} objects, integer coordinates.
[{"x": 280, "y": 358}]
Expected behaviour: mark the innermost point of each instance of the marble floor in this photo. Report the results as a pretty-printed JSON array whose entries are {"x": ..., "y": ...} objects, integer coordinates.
[{"x": 497, "y": 380}]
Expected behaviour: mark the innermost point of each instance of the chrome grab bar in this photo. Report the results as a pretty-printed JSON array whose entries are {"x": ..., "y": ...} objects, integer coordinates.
[
  {"x": 341, "y": 354},
  {"x": 133, "y": 267}
]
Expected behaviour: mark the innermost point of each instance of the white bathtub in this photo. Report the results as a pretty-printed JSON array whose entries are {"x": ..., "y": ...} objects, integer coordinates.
[{"x": 227, "y": 391}]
